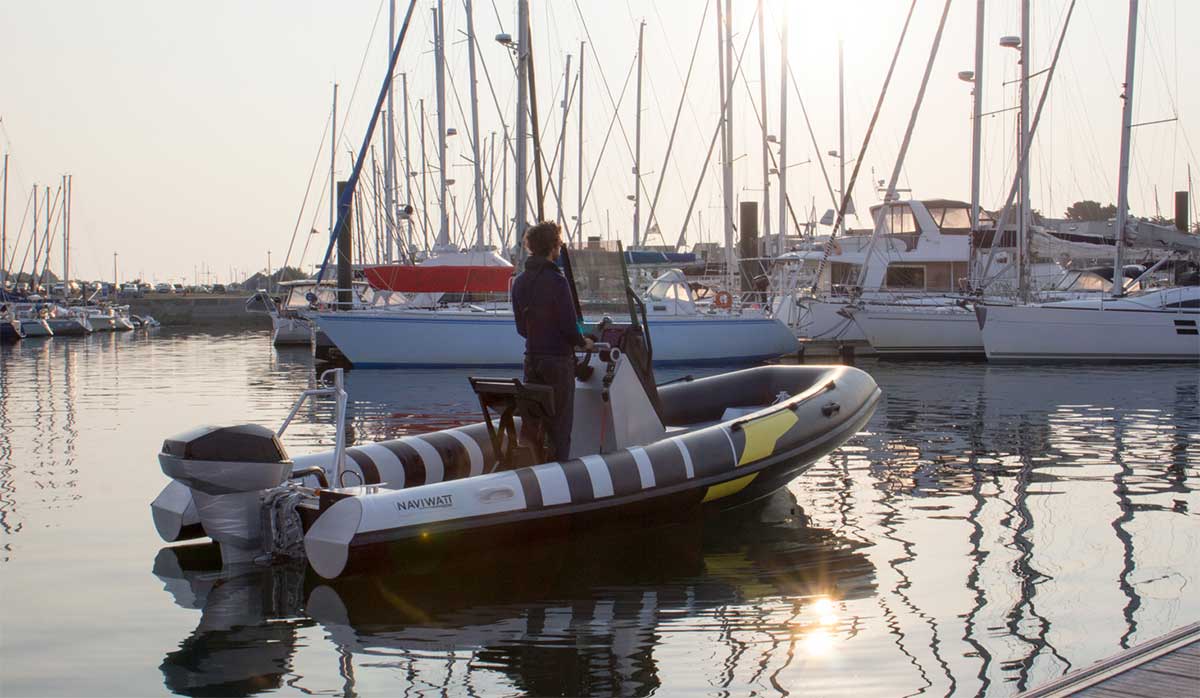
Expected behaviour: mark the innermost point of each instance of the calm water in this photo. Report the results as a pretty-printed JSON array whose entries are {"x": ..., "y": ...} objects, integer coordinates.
[{"x": 992, "y": 528}]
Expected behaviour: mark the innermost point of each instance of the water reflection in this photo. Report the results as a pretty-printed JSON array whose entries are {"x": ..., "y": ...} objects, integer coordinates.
[
  {"x": 990, "y": 528},
  {"x": 579, "y": 618}
]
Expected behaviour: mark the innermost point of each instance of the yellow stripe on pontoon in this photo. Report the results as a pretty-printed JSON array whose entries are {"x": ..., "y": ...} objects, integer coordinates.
[
  {"x": 762, "y": 434},
  {"x": 727, "y": 488}
]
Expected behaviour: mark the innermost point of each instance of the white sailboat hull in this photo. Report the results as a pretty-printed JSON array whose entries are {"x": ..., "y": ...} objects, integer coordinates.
[
  {"x": 434, "y": 339},
  {"x": 1111, "y": 331},
  {"x": 916, "y": 331},
  {"x": 35, "y": 327},
  {"x": 290, "y": 330},
  {"x": 821, "y": 321}
]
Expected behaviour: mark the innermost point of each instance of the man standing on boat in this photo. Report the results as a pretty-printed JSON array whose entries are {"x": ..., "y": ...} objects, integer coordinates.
[{"x": 545, "y": 315}]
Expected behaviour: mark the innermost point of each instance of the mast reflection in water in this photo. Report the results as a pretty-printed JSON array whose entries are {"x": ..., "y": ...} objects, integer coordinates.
[{"x": 992, "y": 528}]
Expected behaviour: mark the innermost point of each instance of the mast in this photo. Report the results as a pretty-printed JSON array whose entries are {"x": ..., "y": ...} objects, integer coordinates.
[
  {"x": 977, "y": 114},
  {"x": 332, "y": 163},
  {"x": 408, "y": 199},
  {"x": 579, "y": 159},
  {"x": 389, "y": 146},
  {"x": 4, "y": 224},
  {"x": 637, "y": 147},
  {"x": 424, "y": 176},
  {"x": 841, "y": 134},
  {"x": 1118, "y": 285},
  {"x": 504, "y": 192},
  {"x": 33, "y": 273},
  {"x": 522, "y": 157},
  {"x": 46, "y": 259},
  {"x": 783, "y": 138},
  {"x": 475, "y": 130},
  {"x": 724, "y": 74},
  {"x": 491, "y": 193},
  {"x": 66, "y": 234},
  {"x": 562, "y": 141},
  {"x": 1023, "y": 226},
  {"x": 439, "y": 51},
  {"x": 766, "y": 155}
]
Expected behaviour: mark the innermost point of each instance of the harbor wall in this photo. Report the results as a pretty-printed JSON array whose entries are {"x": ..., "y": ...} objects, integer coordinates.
[{"x": 198, "y": 309}]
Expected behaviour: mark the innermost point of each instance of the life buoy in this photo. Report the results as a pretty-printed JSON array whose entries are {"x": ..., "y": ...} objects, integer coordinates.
[{"x": 724, "y": 299}]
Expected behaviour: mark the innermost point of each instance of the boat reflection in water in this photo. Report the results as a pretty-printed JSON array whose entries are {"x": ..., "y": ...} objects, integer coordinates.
[{"x": 576, "y": 618}]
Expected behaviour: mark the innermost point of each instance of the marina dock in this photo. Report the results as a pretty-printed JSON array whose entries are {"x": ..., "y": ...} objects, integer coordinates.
[
  {"x": 198, "y": 309},
  {"x": 1166, "y": 666}
]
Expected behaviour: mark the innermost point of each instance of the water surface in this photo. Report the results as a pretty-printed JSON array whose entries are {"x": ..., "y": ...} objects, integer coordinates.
[{"x": 991, "y": 528}]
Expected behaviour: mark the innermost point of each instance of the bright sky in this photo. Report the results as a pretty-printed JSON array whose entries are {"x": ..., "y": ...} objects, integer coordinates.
[{"x": 190, "y": 129}]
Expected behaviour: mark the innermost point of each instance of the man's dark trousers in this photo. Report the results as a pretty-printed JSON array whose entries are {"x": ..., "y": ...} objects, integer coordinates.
[{"x": 558, "y": 372}]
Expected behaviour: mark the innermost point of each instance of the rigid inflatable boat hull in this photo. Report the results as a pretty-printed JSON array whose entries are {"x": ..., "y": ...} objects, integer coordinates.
[{"x": 724, "y": 465}]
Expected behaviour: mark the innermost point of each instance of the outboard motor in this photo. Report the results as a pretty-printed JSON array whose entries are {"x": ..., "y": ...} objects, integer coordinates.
[
  {"x": 230, "y": 472},
  {"x": 238, "y": 486}
]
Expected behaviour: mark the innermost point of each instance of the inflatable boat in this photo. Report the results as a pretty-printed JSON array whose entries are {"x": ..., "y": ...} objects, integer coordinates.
[{"x": 637, "y": 450}]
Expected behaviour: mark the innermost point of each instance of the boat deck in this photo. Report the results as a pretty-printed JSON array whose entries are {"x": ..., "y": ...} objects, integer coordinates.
[{"x": 1166, "y": 666}]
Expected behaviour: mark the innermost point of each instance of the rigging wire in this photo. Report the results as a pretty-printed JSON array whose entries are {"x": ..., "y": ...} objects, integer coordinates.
[
  {"x": 679, "y": 110},
  {"x": 307, "y": 190},
  {"x": 841, "y": 214}
]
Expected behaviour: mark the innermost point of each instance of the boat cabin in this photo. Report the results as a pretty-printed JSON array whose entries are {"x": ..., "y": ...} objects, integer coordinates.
[{"x": 924, "y": 245}]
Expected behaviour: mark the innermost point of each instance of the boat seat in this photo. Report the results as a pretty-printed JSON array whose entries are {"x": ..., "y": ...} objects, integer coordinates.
[{"x": 511, "y": 398}]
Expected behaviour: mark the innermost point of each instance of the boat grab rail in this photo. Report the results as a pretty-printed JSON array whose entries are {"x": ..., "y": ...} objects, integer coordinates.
[
  {"x": 828, "y": 409},
  {"x": 335, "y": 380}
]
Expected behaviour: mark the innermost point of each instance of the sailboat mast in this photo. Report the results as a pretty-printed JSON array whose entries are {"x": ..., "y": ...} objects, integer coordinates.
[
  {"x": 408, "y": 199},
  {"x": 522, "y": 157},
  {"x": 637, "y": 147},
  {"x": 424, "y": 174},
  {"x": 562, "y": 142},
  {"x": 725, "y": 74},
  {"x": 762, "y": 97},
  {"x": 783, "y": 137},
  {"x": 439, "y": 46},
  {"x": 4, "y": 226},
  {"x": 1023, "y": 227},
  {"x": 333, "y": 163},
  {"x": 977, "y": 114},
  {"x": 479, "y": 244},
  {"x": 66, "y": 214},
  {"x": 1118, "y": 283},
  {"x": 33, "y": 271},
  {"x": 579, "y": 159},
  {"x": 389, "y": 147},
  {"x": 46, "y": 259},
  {"x": 841, "y": 134}
]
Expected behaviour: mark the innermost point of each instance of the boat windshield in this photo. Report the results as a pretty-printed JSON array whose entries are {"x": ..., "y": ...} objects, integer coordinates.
[{"x": 600, "y": 282}]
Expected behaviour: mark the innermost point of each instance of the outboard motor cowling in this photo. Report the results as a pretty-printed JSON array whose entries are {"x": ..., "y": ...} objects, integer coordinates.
[{"x": 224, "y": 460}]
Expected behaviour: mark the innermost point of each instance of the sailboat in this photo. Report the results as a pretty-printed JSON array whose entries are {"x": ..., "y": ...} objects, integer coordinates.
[
  {"x": 473, "y": 335},
  {"x": 1154, "y": 325}
]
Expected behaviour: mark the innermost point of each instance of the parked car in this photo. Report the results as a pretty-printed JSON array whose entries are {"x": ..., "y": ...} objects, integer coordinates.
[
  {"x": 131, "y": 290},
  {"x": 218, "y": 288},
  {"x": 164, "y": 288},
  {"x": 178, "y": 288}
]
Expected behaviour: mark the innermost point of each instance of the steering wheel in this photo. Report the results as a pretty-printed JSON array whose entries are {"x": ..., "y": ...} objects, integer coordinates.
[{"x": 583, "y": 367}]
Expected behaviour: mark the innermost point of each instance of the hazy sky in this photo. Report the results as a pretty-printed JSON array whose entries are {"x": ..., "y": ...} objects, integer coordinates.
[{"x": 190, "y": 129}]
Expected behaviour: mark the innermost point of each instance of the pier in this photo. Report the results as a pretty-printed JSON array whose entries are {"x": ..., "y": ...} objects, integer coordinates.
[
  {"x": 1166, "y": 666},
  {"x": 198, "y": 309}
]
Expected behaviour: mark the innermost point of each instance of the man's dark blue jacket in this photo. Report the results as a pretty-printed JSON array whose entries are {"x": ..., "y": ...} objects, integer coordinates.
[{"x": 543, "y": 309}]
